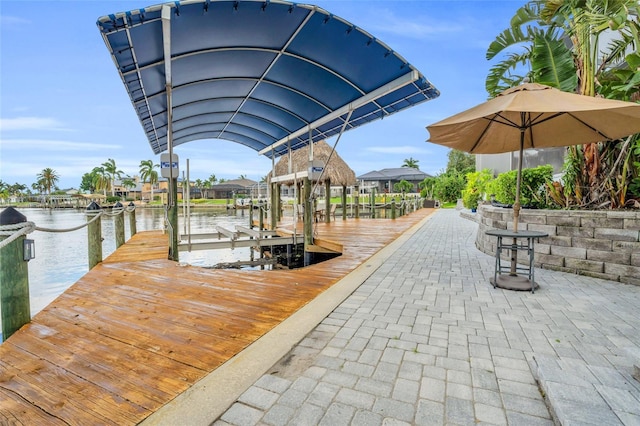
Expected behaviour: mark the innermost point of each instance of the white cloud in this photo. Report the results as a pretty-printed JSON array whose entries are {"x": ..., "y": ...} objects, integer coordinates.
[
  {"x": 30, "y": 123},
  {"x": 13, "y": 20},
  {"x": 53, "y": 145}
]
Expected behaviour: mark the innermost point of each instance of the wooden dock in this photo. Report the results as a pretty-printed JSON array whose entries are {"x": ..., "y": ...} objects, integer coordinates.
[{"x": 138, "y": 330}]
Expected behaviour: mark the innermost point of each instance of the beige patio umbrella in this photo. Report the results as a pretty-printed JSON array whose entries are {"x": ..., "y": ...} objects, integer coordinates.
[{"x": 535, "y": 116}]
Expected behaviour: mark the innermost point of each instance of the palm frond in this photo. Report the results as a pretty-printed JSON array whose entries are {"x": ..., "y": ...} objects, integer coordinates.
[{"x": 553, "y": 64}]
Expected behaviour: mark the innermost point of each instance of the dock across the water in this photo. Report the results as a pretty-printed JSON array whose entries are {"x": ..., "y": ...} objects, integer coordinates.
[{"x": 138, "y": 330}]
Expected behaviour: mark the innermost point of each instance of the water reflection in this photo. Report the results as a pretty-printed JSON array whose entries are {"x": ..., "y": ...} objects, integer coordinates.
[{"x": 62, "y": 258}]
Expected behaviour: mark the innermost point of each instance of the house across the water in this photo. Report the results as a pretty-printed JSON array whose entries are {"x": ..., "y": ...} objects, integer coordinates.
[{"x": 384, "y": 180}]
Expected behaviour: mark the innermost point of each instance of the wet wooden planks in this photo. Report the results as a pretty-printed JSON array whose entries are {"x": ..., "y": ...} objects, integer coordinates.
[{"x": 138, "y": 330}]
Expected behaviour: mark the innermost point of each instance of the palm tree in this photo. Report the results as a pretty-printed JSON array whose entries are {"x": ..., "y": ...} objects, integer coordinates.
[
  {"x": 198, "y": 184},
  {"x": 112, "y": 172},
  {"x": 128, "y": 183},
  {"x": 410, "y": 162},
  {"x": 148, "y": 173},
  {"x": 213, "y": 179},
  {"x": 101, "y": 181},
  {"x": 48, "y": 178},
  {"x": 206, "y": 185},
  {"x": 37, "y": 186},
  {"x": 403, "y": 186}
]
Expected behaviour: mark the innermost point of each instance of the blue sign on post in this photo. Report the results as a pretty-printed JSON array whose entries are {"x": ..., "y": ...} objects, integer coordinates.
[{"x": 169, "y": 169}]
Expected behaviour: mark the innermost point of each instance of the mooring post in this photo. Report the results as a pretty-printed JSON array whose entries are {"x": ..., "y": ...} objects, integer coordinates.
[
  {"x": 94, "y": 233},
  {"x": 278, "y": 201},
  {"x": 373, "y": 203},
  {"x": 308, "y": 220},
  {"x": 118, "y": 223},
  {"x": 274, "y": 206},
  {"x": 132, "y": 218},
  {"x": 393, "y": 208},
  {"x": 14, "y": 276},
  {"x": 260, "y": 216},
  {"x": 251, "y": 215},
  {"x": 327, "y": 203}
]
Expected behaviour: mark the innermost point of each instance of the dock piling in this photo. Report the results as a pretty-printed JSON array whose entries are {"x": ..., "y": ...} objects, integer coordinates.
[
  {"x": 94, "y": 234},
  {"x": 132, "y": 218},
  {"x": 118, "y": 223},
  {"x": 14, "y": 277}
]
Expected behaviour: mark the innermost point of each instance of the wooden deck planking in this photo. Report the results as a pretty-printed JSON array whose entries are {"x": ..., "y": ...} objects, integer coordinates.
[{"x": 138, "y": 330}]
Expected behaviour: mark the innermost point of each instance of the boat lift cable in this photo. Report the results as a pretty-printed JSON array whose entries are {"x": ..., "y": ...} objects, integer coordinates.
[{"x": 333, "y": 149}]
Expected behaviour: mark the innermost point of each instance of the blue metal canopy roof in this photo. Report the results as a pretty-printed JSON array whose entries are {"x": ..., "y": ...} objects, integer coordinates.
[{"x": 265, "y": 74}]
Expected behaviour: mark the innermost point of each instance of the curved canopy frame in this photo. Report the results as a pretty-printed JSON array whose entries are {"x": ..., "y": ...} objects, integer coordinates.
[{"x": 270, "y": 75}]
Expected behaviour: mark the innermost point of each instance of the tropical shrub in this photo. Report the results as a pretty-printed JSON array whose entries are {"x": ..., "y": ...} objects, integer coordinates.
[
  {"x": 448, "y": 187},
  {"x": 533, "y": 186},
  {"x": 476, "y": 188}
]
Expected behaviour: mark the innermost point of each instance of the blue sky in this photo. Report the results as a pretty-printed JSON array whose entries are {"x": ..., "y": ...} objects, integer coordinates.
[{"x": 62, "y": 104}]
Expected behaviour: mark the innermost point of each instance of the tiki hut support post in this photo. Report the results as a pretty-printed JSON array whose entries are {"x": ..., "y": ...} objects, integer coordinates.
[
  {"x": 344, "y": 202},
  {"x": 335, "y": 170},
  {"x": 327, "y": 203}
]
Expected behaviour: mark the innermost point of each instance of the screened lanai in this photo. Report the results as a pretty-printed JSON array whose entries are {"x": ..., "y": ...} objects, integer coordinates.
[{"x": 270, "y": 75}]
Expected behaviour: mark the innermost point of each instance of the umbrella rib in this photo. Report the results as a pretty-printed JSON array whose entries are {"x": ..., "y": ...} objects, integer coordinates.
[
  {"x": 491, "y": 120},
  {"x": 590, "y": 126}
]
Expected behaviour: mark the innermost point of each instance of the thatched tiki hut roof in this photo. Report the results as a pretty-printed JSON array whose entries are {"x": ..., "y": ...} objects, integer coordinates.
[{"x": 336, "y": 171}]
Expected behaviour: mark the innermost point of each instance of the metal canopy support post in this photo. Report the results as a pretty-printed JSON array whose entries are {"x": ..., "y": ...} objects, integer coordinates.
[{"x": 172, "y": 202}]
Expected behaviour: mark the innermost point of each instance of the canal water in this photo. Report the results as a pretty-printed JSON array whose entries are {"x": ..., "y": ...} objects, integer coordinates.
[{"x": 62, "y": 257}]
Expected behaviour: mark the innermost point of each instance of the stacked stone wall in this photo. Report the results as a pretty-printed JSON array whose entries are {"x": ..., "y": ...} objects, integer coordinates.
[{"x": 601, "y": 244}]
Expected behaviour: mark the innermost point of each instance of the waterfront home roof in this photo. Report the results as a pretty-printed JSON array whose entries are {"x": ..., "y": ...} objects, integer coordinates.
[
  {"x": 266, "y": 74},
  {"x": 239, "y": 183},
  {"x": 395, "y": 174}
]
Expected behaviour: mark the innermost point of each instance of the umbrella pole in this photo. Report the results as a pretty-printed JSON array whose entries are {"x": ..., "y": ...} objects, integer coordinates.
[{"x": 516, "y": 206}]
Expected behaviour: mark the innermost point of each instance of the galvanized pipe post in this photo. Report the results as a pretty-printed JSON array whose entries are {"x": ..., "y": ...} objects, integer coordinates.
[{"x": 14, "y": 278}]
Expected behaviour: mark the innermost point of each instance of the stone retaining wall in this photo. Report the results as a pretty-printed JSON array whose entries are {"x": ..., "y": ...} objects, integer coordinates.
[{"x": 601, "y": 244}]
